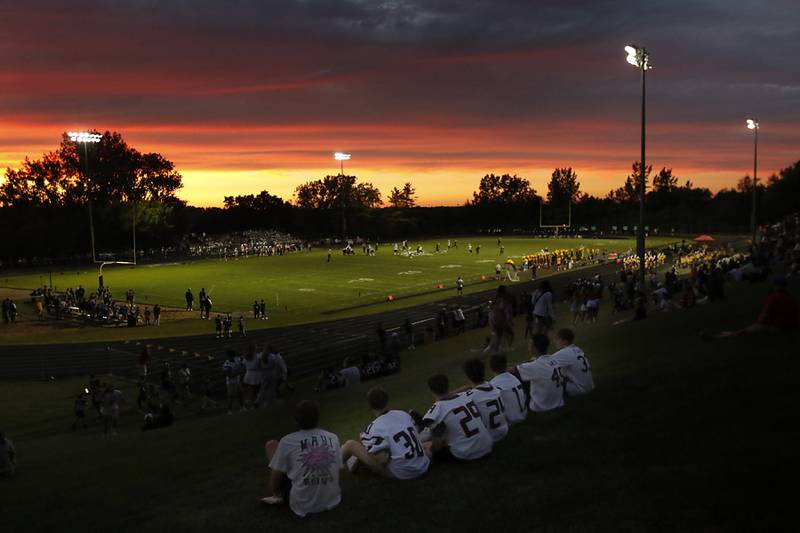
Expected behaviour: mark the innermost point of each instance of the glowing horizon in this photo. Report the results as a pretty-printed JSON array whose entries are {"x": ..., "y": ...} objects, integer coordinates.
[{"x": 259, "y": 97}]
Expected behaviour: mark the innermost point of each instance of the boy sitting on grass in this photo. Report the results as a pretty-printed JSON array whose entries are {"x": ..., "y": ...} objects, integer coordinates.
[
  {"x": 487, "y": 397},
  {"x": 511, "y": 390},
  {"x": 305, "y": 465},
  {"x": 454, "y": 428},
  {"x": 389, "y": 446}
]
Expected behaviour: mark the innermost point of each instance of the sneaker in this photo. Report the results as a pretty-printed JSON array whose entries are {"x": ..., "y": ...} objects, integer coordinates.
[{"x": 272, "y": 500}]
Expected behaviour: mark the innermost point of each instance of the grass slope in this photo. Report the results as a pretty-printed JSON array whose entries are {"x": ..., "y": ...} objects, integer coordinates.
[
  {"x": 297, "y": 288},
  {"x": 680, "y": 434}
]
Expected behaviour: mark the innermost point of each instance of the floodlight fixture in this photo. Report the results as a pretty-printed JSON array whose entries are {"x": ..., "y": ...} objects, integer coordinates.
[
  {"x": 341, "y": 157},
  {"x": 84, "y": 137},
  {"x": 752, "y": 123},
  {"x": 638, "y": 57}
]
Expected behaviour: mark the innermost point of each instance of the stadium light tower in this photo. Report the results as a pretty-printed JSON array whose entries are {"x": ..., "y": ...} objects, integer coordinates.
[
  {"x": 341, "y": 157},
  {"x": 85, "y": 137},
  {"x": 752, "y": 124},
  {"x": 639, "y": 58}
]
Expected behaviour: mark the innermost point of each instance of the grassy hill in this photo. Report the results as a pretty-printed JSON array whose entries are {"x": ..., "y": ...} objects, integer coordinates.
[{"x": 681, "y": 434}]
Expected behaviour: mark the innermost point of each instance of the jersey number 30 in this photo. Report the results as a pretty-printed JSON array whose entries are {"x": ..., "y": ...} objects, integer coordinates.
[{"x": 410, "y": 441}]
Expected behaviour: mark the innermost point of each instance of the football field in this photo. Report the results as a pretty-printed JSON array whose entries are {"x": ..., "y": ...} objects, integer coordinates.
[{"x": 304, "y": 286}]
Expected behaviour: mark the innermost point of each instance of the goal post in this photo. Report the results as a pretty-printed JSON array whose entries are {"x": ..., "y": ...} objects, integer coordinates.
[{"x": 556, "y": 226}]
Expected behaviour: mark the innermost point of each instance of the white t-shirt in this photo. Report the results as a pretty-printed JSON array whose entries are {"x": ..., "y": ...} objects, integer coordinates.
[
  {"x": 490, "y": 404},
  {"x": 311, "y": 460},
  {"x": 546, "y": 383},
  {"x": 395, "y": 432},
  {"x": 543, "y": 304},
  {"x": 465, "y": 433},
  {"x": 252, "y": 374},
  {"x": 513, "y": 396},
  {"x": 576, "y": 370}
]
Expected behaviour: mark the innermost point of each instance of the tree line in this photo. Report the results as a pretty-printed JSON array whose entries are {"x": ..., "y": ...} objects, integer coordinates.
[{"x": 44, "y": 204}]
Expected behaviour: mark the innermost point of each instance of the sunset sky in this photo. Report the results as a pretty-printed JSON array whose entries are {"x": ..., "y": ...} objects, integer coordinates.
[{"x": 245, "y": 95}]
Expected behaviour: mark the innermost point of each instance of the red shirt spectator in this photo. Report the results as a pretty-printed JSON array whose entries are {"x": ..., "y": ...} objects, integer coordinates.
[{"x": 780, "y": 310}]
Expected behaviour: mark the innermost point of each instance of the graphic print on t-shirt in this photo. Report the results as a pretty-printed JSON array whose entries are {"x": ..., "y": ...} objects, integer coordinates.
[{"x": 318, "y": 457}]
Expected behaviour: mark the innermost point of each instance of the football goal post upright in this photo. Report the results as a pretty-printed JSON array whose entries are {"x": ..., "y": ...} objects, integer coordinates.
[{"x": 556, "y": 226}]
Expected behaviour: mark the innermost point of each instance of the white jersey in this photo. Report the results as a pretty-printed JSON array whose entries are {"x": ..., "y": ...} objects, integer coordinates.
[
  {"x": 576, "y": 370},
  {"x": 252, "y": 374},
  {"x": 311, "y": 460},
  {"x": 395, "y": 432},
  {"x": 465, "y": 433},
  {"x": 513, "y": 396},
  {"x": 547, "y": 383},
  {"x": 490, "y": 404}
]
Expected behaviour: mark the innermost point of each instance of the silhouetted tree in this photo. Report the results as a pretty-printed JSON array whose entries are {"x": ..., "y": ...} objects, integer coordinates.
[
  {"x": 563, "y": 186},
  {"x": 116, "y": 173},
  {"x": 630, "y": 189},
  {"x": 503, "y": 189},
  {"x": 664, "y": 181},
  {"x": 262, "y": 201},
  {"x": 405, "y": 197},
  {"x": 340, "y": 192}
]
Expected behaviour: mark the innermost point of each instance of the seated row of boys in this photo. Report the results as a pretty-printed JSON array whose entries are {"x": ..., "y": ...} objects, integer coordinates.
[{"x": 462, "y": 425}]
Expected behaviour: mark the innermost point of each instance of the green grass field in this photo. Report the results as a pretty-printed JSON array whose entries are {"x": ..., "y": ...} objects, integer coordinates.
[
  {"x": 681, "y": 434},
  {"x": 299, "y": 287}
]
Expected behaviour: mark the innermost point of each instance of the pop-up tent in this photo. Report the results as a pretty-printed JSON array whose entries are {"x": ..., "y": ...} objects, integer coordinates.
[{"x": 704, "y": 239}]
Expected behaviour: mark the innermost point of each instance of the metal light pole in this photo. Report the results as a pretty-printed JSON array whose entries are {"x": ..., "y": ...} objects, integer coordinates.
[
  {"x": 341, "y": 157},
  {"x": 752, "y": 124},
  {"x": 638, "y": 57},
  {"x": 84, "y": 137}
]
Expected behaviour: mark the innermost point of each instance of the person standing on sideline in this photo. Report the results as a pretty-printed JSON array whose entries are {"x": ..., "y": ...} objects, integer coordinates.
[
  {"x": 189, "y": 299},
  {"x": 242, "y": 328},
  {"x": 202, "y": 298},
  {"x": 144, "y": 363},
  {"x": 409, "y": 328},
  {"x": 460, "y": 286},
  {"x": 543, "y": 311},
  {"x": 330, "y": 252},
  {"x": 157, "y": 315}
]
